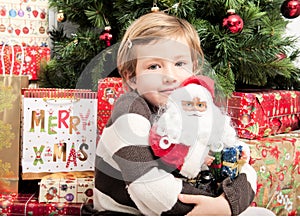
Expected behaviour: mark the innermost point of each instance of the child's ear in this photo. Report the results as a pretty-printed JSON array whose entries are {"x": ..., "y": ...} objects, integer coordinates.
[{"x": 131, "y": 82}]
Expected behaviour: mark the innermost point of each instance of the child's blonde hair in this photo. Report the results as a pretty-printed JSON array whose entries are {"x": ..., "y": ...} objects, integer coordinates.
[{"x": 149, "y": 28}]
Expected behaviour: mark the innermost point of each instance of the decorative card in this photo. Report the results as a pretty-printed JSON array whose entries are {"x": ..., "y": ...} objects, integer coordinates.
[{"x": 59, "y": 131}]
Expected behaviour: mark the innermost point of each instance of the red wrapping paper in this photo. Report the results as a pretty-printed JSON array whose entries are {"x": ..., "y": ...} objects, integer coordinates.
[
  {"x": 265, "y": 113},
  {"x": 33, "y": 57},
  {"x": 109, "y": 89},
  {"x": 28, "y": 205}
]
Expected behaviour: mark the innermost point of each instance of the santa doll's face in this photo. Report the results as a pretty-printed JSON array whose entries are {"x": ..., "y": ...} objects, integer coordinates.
[
  {"x": 196, "y": 107},
  {"x": 189, "y": 115}
]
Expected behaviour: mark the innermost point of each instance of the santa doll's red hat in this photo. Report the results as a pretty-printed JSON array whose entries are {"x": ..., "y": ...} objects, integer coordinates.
[{"x": 202, "y": 80}]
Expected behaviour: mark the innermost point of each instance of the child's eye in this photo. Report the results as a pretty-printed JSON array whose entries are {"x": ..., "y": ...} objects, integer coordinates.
[
  {"x": 154, "y": 67},
  {"x": 180, "y": 63}
]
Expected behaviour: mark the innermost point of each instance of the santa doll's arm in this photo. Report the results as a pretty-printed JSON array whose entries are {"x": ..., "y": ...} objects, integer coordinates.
[{"x": 194, "y": 160}]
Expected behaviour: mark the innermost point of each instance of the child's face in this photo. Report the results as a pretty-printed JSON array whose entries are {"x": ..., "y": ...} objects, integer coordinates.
[{"x": 161, "y": 67}]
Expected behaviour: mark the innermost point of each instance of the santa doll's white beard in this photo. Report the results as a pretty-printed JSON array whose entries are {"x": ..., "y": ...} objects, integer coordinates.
[{"x": 188, "y": 128}]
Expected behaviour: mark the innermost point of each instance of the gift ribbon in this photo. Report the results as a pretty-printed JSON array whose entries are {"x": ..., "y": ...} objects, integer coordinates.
[
  {"x": 238, "y": 164},
  {"x": 25, "y": 210}
]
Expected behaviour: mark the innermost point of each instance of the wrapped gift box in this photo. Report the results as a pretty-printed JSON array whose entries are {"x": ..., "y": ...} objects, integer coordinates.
[
  {"x": 34, "y": 56},
  {"x": 269, "y": 112},
  {"x": 276, "y": 160},
  {"x": 59, "y": 131},
  {"x": 109, "y": 89},
  {"x": 28, "y": 205},
  {"x": 76, "y": 187},
  {"x": 10, "y": 115}
]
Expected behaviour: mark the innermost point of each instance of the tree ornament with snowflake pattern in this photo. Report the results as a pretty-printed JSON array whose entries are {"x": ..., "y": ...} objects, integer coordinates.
[
  {"x": 233, "y": 22},
  {"x": 290, "y": 9}
]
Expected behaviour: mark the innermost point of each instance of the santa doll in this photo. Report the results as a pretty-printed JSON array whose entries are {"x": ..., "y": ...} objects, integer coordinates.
[{"x": 191, "y": 128}]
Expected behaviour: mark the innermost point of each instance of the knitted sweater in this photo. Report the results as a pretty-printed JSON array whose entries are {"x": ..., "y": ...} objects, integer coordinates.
[{"x": 130, "y": 179}]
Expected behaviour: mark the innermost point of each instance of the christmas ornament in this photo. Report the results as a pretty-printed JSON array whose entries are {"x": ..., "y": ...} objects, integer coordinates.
[
  {"x": 17, "y": 31},
  {"x": 35, "y": 13},
  {"x": 3, "y": 11},
  {"x": 43, "y": 14},
  {"x": 10, "y": 29},
  {"x": 25, "y": 30},
  {"x": 281, "y": 56},
  {"x": 12, "y": 13},
  {"x": 106, "y": 36},
  {"x": 21, "y": 13},
  {"x": 2, "y": 28},
  {"x": 42, "y": 30},
  {"x": 61, "y": 16},
  {"x": 233, "y": 22},
  {"x": 154, "y": 8},
  {"x": 290, "y": 9}
]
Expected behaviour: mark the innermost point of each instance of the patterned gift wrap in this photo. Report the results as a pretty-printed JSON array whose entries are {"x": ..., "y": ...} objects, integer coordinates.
[
  {"x": 76, "y": 187},
  {"x": 276, "y": 160},
  {"x": 28, "y": 205},
  {"x": 10, "y": 115},
  {"x": 109, "y": 89},
  {"x": 34, "y": 56},
  {"x": 260, "y": 114}
]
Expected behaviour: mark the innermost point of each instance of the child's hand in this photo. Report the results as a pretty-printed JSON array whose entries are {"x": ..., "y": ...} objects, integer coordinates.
[{"x": 205, "y": 205}]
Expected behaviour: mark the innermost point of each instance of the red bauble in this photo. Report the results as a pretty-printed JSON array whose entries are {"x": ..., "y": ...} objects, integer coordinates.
[
  {"x": 106, "y": 36},
  {"x": 290, "y": 8},
  {"x": 281, "y": 56},
  {"x": 233, "y": 22}
]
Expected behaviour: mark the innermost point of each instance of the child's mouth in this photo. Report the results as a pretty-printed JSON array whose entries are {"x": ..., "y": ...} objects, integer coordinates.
[{"x": 167, "y": 91}]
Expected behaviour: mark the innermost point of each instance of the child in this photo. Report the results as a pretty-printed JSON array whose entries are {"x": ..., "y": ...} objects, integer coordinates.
[{"x": 157, "y": 53}]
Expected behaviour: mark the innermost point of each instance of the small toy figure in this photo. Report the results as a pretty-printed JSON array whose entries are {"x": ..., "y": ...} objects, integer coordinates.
[{"x": 191, "y": 129}]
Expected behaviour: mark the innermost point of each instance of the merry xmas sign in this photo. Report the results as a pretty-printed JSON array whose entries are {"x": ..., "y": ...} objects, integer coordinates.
[{"x": 59, "y": 130}]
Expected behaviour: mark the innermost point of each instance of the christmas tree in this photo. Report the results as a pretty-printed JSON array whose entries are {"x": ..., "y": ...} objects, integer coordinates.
[{"x": 243, "y": 40}]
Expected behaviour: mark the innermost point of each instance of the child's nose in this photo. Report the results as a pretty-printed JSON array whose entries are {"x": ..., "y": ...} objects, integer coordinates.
[
  {"x": 168, "y": 79},
  {"x": 169, "y": 75}
]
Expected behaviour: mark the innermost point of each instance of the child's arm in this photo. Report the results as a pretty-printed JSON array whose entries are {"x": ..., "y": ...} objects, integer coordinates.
[{"x": 124, "y": 146}]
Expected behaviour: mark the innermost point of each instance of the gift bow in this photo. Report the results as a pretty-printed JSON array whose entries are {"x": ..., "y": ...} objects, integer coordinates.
[{"x": 236, "y": 165}]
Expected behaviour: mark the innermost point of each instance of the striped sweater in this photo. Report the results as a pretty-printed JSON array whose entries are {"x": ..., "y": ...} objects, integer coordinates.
[{"x": 130, "y": 179}]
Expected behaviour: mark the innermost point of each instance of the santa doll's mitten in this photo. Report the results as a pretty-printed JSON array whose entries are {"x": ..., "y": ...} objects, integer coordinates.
[{"x": 170, "y": 153}]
